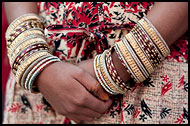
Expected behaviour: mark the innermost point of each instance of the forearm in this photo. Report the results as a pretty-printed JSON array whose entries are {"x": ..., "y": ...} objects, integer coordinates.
[
  {"x": 171, "y": 21},
  {"x": 16, "y": 9}
]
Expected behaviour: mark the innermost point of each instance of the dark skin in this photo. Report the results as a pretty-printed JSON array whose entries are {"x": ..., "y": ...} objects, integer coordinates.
[{"x": 66, "y": 86}]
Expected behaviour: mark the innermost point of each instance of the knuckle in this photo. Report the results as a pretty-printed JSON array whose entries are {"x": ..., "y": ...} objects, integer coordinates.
[
  {"x": 81, "y": 100},
  {"x": 72, "y": 110}
]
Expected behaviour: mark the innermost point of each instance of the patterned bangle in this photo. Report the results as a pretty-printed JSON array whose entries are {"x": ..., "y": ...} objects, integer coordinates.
[
  {"x": 125, "y": 64},
  {"x": 19, "y": 20},
  {"x": 22, "y": 28},
  {"x": 24, "y": 66},
  {"x": 150, "y": 56},
  {"x": 24, "y": 78},
  {"x": 26, "y": 44},
  {"x": 149, "y": 47},
  {"x": 131, "y": 62},
  {"x": 113, "y": 72},
  {"x": 27, "y": 52},
  {"x": 29, "y": 32},
  {"x": 133, "y": 54},
  {"x": 153, "y": 37},
  {"x": 99, "y": 76},
  {"x": 134, "y": 43},
  {"x": 41, "y": 68},
  {"x": 159, "y": 42},
  {"x": 107, "y": 76}
]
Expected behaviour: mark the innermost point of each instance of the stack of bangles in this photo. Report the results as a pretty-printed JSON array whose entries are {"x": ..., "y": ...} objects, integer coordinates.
[
  {"x": 27, "y": 50},
  {"x": 140, "y": 52}
]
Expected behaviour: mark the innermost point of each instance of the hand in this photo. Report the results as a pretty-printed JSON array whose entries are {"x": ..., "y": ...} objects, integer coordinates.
[
  {"x": 97, "y": 89},
  {"x": 63, "y": 85}
]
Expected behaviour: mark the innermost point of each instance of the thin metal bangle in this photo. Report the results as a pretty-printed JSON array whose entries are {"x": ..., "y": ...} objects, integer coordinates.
[
  {"x": 136, "y": 59},
  {"x": 97, "y": 76},
  {"x": 107, "y": 74},
  {"x": 38, "y": 71},
  {"x": 128, "y": 67},
  {"x": 151, "y": 41},
  {"x": 102, "y": 77},
  {"x": 164, "y": 42},
  {"x": 29, "y": 75},
  {"x": 26, "y": 73}
]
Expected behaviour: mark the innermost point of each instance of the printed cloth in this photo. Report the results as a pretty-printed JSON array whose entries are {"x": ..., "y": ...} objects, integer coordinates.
[{"x": 77, "y": 31}]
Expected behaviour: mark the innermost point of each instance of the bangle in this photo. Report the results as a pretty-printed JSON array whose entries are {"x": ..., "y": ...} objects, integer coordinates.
[
  {"x": 19, "y": 20},
  {"x": 99, "y": 77},
  {"x": 125, "y": 64},
  {"x": 32, "y": 31},
  {"x": 39, "y": 70},
  {"x": 22, "y": 28},
  {"x": 131, "y": 62},
  {"x": 113, "y": 72},
  {"x": 133, "y": 54},
  {"x": 111, "y": 83},
  {"x": 24, "y": 78},
  {"x": 24, "y": 66},
  {"x": 159, "y": 42},
  {"x": 151, "y": 48}
]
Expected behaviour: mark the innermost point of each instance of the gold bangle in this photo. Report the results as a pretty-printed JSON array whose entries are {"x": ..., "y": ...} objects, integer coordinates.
[
  {"x": 139, "y": 52},
  {"x": 24, "y": 45},
  {"x": 24, "y": 35},
  {"x": 131, "y": 62},
  {"x": 154, "y": 37},
  {"x": 19, "y": 20},
  {"x": 26, "y": 64}
]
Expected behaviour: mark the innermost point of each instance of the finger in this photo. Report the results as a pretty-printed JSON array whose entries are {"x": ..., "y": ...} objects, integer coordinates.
[{"x": 92, "y": 85}]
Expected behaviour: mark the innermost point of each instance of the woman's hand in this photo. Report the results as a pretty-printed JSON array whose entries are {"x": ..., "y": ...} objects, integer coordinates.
[{"x": 65, "y": 86}]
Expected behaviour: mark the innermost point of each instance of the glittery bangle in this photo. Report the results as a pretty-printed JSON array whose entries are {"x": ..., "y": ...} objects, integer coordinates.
[
  {"x": 21, "y": 29},
  {"x": 23, "y": 46},
  {"x": 162, "y": 46},
  {"x": 32, "y": 31},
  {"x": 24, "y": 66},
  {"x": 26, "y": 54},
  {"x": 21, "y": 19},
  {"x": 133, "y": 54},
  {"x": 125, "y": 64},
  {"x": 130, "y": 61},
  {"x": 156, "y": 41}
]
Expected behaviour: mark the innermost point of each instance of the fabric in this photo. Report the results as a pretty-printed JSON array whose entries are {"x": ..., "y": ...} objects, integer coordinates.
[{"x": 77, "y": 31}]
